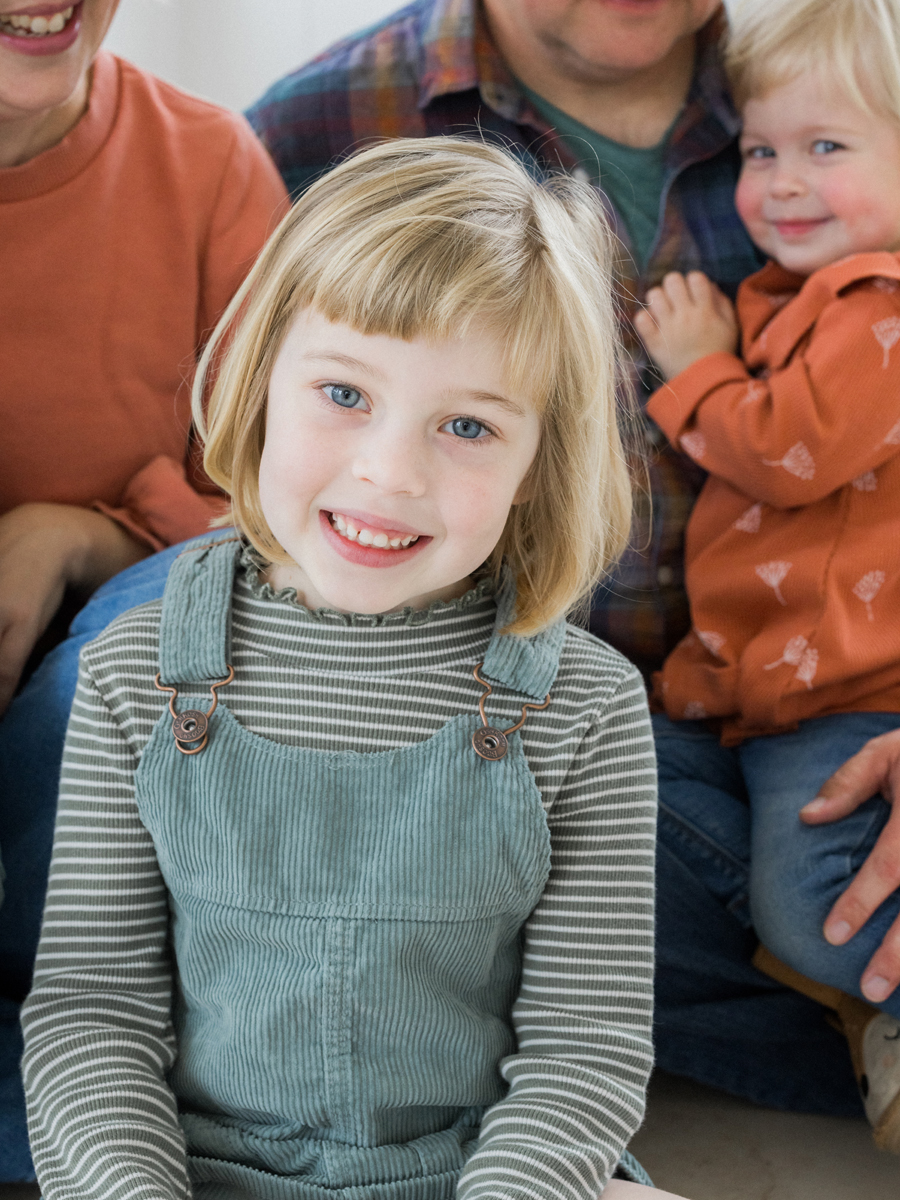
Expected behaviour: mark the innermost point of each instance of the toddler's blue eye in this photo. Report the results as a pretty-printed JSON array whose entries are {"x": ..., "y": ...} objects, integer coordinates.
[
  {"x": 346, "y": 397},
  {"x": 465, "y": 427},
  {"x": 825, "y": 146},
  {"x": 759, "y": 152}
]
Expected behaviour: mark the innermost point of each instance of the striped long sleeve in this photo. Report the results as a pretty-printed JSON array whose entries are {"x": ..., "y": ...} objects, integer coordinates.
[
  {"x": 102, "y": 1121},
  {"x": 584, "y": 1011}
]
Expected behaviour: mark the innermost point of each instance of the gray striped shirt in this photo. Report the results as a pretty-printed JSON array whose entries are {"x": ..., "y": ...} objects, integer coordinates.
[{"x": 99, "y": 1038}]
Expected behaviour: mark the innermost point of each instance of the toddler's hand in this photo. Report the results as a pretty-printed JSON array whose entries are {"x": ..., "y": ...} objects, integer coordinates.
[{"x": 686, "y": 319}]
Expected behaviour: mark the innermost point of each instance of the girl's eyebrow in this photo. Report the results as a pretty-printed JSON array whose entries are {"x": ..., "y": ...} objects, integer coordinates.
[
  {"x": 502, "y": 401},
  {"x": 357, "y": 364},
  {"x": 346, "y": 360}
]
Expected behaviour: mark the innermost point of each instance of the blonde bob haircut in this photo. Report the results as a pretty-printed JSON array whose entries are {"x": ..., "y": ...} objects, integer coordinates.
[
  {"x": 429, "y": 238},
  {"x": 851, "y": 44}
]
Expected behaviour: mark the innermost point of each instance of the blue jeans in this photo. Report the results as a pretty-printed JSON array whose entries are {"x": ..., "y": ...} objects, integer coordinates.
[
  {"x": 729, "y": 831},
  {"x": 31, "y": 742}
]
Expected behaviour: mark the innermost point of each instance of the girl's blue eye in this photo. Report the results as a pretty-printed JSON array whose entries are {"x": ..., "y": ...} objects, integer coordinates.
[
  {"x": 759, "y": 152},
  {"x": 346, "y": 397},
  {"x": 825, "y": 146},
  {"x": 466, "y": 427}
]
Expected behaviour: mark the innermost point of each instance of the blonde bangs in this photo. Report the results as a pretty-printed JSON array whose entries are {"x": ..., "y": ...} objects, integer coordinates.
[
  {"x": 854, "y": 44},
  {"x": 430, "y": 238}
]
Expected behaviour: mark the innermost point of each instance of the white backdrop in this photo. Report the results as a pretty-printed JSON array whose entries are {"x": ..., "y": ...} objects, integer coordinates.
[{"x": 231, "y": 50}]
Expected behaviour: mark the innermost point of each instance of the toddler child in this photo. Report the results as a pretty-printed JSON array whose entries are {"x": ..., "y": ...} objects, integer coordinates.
[
  {"x": 352, "y": 885},
  {"x": 793, "y": 553}
]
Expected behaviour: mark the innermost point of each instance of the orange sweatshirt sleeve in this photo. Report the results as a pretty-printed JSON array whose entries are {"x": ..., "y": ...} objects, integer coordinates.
[
  {"x": 252, "y": 200},
  {"x": 830, "y": 414},
  {"x": 169, "y": 501}
]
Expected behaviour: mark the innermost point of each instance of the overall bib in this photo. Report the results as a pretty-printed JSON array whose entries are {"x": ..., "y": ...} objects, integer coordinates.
[{"x": 346, "y": 927}]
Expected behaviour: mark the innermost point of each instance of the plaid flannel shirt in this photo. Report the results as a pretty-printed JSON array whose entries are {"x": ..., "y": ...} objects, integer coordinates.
[{"x": 432, "y": 69}]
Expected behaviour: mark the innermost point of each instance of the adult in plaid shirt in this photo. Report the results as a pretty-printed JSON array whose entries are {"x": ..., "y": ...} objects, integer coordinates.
[{"x": 632, "y": 90}]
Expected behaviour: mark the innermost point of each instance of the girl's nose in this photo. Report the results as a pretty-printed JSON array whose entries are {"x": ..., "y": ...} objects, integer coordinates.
[{"x": 393, "y": 462}]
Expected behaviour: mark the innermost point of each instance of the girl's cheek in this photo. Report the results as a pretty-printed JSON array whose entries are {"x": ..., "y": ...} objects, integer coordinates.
[{"x": 748, "y": 198}]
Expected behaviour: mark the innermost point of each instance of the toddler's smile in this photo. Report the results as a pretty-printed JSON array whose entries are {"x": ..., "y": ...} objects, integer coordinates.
[{"x": 821, "y": 176}]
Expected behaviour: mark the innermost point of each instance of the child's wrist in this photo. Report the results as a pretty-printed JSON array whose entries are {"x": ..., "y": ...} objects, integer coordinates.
[{"x": 677, "y": 363}]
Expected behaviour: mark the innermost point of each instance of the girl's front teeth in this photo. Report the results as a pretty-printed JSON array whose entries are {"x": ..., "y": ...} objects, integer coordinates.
[
  {"x": 365, "y": 537},
  {"x": 22, "y": 26}
]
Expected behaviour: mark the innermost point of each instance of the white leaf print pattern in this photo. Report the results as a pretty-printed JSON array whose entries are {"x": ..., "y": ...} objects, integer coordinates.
[
  {"x": 755, "y": 391},
  {"x": 887, "y": 333},
  {"x": 888, "y": 286},
  {"x": 694, "y": 711},
  {"x": 867, "y": 588},
  {"x": 793, "y": 653},
  {"x": 798, "y": 461},
  {"x": 749, "y": 521},
  {"x": 773, "y": 573},
  {"x": 711, "y": 640},
  {"x": 892, "y": 438},
  {"x": 809, "y": 664},
  {"x": 866, "y": 482},
  {"x": 694, "y": 444}
]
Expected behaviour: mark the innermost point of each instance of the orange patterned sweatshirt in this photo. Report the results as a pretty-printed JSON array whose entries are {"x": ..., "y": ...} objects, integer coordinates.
[{"x": 793, "y": 548}]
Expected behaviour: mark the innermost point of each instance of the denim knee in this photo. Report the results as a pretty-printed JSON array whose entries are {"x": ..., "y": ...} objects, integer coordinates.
[{"x": 788, "y": 914}]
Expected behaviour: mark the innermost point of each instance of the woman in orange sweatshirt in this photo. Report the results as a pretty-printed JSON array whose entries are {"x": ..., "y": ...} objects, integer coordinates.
[
  {"x": 793, "y": 548},
  {"x": 130, "y": 214}
]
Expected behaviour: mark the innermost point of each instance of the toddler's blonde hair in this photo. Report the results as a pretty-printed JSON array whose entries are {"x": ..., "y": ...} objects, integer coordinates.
[
  {"x": 430, "y": 238},
  {"x": 852, "y": 43}
]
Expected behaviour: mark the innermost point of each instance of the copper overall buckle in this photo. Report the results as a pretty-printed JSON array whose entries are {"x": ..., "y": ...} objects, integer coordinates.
[
  {"x": 488, "y": 741},
  {"x": 193, "y": 725}
]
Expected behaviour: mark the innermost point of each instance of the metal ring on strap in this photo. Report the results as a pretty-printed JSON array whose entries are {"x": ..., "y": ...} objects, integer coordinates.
[
  {"x": 192, "y": 725},
  {"x": 489, "y": 742}
]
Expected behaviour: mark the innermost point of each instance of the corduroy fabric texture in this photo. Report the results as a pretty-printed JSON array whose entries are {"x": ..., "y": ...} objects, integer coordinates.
[{"x": 325, "y": 922}]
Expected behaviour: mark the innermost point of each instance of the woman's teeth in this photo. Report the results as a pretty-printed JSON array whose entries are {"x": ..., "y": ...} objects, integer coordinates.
[
  {"x": 22, "y": 26},
  {"x": 365, "y": 537}
]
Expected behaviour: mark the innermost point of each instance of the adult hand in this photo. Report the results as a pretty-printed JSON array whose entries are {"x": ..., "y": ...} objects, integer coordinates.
[
  {"x": 876, "y": 768},
  {"x": 45, "y": 548},
  {"x": 686, "y": 319}
]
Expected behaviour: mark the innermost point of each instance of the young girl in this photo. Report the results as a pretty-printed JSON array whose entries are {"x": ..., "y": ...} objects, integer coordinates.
[
  {"x": 793, "y": 555},
  {"x": 372, "y": 915}
]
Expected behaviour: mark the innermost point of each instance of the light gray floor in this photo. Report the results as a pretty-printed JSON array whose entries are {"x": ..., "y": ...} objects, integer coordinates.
[{"x": 705, "y": 1145}]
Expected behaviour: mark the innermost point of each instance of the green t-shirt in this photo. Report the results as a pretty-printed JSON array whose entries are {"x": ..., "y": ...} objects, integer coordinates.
[{"x": 632, "y": 177}]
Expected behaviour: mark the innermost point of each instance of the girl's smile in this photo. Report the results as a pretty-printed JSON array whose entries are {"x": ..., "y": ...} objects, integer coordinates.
[
  {"x": 368, "y": 541},
  {"x": 404, "y": 456}
]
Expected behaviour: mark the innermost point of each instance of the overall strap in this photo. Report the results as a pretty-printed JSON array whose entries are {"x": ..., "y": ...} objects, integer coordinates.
[
  {"x": 195, "y": 628},
  {"x": 526, "y": 665}
]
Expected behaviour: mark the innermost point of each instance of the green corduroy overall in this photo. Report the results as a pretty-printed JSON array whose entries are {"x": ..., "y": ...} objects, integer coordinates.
[{"x": 345, "y": 926}]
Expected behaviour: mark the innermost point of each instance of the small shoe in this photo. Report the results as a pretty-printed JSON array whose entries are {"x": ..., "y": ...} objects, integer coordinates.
[{"x": 880, "y": 1080}]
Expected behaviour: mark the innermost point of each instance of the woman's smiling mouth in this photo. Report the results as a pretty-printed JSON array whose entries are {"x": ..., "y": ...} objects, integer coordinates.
[
  {"x": 41, "y": 29},
  {"x": 25, "y": 25}
]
